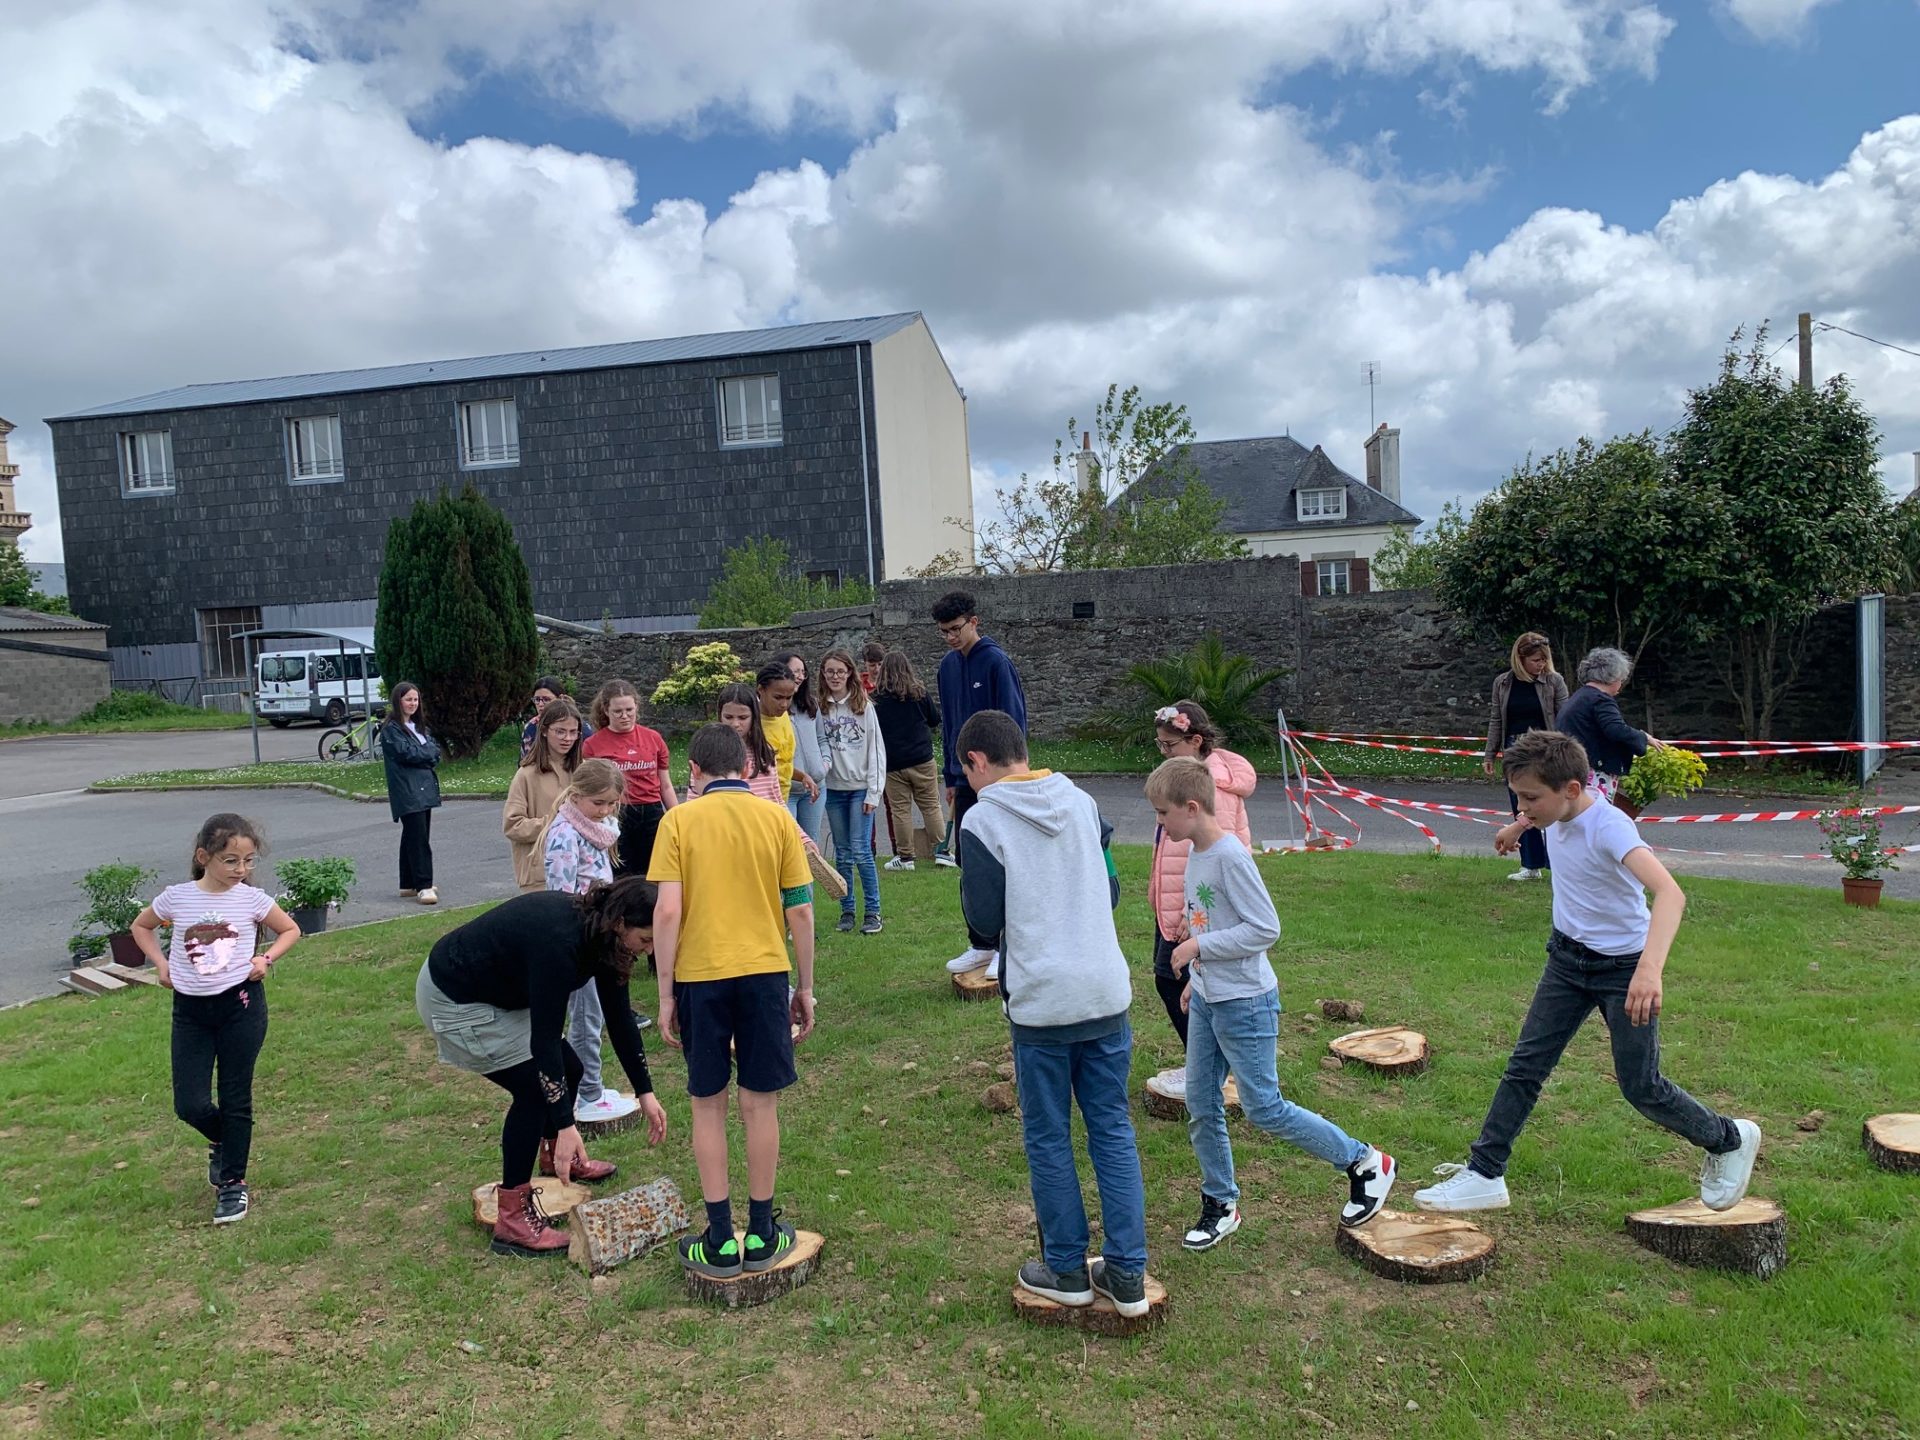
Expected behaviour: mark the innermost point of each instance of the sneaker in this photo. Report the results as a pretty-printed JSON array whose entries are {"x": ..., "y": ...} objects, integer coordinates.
[
  {"x": 642, "y": 1022},
  {"x": 1071, "y": 1288},
  {"x": 765, "y": 1253},
  {"x": 608, "y": 1107},
  {"x": 1464, "y": 1188},
  {"x": 1524, "y": 874},
  {"x": 408, "y": 894},
  {"x": 846, "y": 923},
  {"x": 898, "y": 862},
  {"x": 1124, "y": 1288},
  {"x": 871, "y": 925},
  {"x": 231, "y": 1205},
  {"x": 945, "y": 862},
  {"x": 971, "y": 960},
  {"x": 1724, "y": 1178},
  {"x": 721, "y": 1263},
  {"x": 993, "y": 967},
  {"x": 428, "y": 896},
  {"x": 1369, "y": 1180},
  {"x": 216, "y": 1164},
  {"x": 1172, "y": 1084},
  {"x": 1216, "y": 1222}
]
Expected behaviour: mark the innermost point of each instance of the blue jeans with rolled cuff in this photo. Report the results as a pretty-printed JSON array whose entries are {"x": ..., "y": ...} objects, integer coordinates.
[{"x": 853, "y": 846}]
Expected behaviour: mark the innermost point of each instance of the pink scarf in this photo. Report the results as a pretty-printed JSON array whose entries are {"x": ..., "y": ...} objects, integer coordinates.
[{"x": 597, "y": 834}]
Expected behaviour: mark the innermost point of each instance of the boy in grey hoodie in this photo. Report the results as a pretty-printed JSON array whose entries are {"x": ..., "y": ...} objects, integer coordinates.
[{"x": 1036, "y": 879}]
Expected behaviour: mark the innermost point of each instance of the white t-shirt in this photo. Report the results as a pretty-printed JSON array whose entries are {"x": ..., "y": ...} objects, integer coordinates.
[
  {"x": 223, "y": 952},
  {"x": 1596, "y": 899}
]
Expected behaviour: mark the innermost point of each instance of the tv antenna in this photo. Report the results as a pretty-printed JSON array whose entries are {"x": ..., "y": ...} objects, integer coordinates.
[{"x": 1372, "y": 372}]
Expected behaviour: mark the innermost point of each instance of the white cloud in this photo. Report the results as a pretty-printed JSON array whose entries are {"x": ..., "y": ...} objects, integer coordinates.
[{"x": 1773, "y": 19}]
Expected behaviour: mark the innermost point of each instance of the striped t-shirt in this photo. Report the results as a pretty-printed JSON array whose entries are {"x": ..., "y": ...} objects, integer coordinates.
[{"x": 215, "y": 934}]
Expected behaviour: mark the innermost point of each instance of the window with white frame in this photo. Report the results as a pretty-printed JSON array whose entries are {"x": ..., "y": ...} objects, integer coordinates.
[
  {"x": 1323, "y": 504},
  {"x": 313, "y": 448},
  {"x": 750, "y": 410},
  {"x": 1334, "y": 577},
  {"x": 489, "y": 433},
  {"x": 146, "y": 459}
]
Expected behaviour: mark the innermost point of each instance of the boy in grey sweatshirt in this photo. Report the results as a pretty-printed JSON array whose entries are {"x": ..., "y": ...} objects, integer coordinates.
[
  {"x": 1036, "y": 879},
  {"x": 1233, "y": 1014}
]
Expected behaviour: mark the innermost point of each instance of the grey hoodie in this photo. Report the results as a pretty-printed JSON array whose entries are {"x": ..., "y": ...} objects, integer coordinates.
[{"x": 1036, "y": 875}]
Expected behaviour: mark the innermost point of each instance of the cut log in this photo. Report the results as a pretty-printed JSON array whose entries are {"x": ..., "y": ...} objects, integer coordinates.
[
  {"x": 555, "y": 1198},
  {"x": 1750, "y": 1238},
  {"x": 89, "y": 981},
  {"x": 1165, "y": 1095},
  {"x": 1421, "y": 1248},
  {"x": 765, "y": 1285},
  {"x": 1351, "y": 1011},
  {"x": 827, "y": 880},
  {"x": 594, "y": 1129},
  {"x": 974, "y": 985},
  {"x": 1100, "y": 1317},
  {"x": 1389, "y": 1050},
  {"x": 1893, "y": 1141},
  {"x": 610, "y": 1232}
]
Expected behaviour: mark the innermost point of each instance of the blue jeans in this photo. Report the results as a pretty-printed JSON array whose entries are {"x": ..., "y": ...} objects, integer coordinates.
[
  {"x": 585, "y": 1025},
  {"x": 1239, "y": 1035},
  {"x": 853, "y": 846},
  {"x": 808, "y": 811},
  {"x": 1051, "y": 1078},
  {"x": 1533, "y": 845}
]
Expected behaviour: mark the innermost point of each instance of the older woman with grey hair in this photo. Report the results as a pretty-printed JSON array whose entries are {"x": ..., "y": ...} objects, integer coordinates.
[{"x": 1592, "y": 716}]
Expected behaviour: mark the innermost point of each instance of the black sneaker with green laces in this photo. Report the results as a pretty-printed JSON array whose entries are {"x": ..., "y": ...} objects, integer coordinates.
[
  {"x": 720, "y": 1262},
  {"x": 765, "y": 1252}
]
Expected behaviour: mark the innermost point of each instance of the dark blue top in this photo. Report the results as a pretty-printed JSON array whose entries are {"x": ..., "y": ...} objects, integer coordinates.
[
  {"x": 1593, "y": 718},
  {"x": 412, "y": 784},
  {"x": 982, "y": 678}
]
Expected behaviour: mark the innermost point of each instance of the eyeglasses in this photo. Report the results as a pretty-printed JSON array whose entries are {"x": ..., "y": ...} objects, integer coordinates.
[
  {"x": 953, "y": 628},
  {"x": 1166, "y": 746}
]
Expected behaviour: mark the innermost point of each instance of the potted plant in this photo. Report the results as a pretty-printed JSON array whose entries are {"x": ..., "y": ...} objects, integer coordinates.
[
  {"x": 1855, "y": 842},
  {"x": 311, "y": 888},
  {"x": 1663, "y": 770},
  {"x": 113, "y": 903}
]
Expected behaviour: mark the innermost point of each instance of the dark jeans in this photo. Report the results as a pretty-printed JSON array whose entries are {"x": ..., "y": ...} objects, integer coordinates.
[
  {"x": 526, "y": 1123},
  {"x": 1533, "y": 845},
  {"x": 638, "y": 825},
  {"x": 1168, "y": 984},
  {"x": 219, "y": 1035},
  {"x": 1578, "y": 980},
  {"x": 416, "y": 851},
  {"x": 964, "y": 800}
]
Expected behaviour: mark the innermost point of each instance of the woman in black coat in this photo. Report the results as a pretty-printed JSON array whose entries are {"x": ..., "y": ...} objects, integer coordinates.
[
  {"x": 1527, "y": 695},
  {"x": 1592, "y": 716},
  {"x": 413, "y": 788}
]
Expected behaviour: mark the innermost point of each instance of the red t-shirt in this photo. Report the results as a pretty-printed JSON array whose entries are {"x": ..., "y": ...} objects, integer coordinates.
[{"x": 641, "y": 755}]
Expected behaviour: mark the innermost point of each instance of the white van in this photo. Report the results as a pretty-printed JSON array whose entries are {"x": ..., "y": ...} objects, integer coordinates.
[{"x": 309, "y": 685}]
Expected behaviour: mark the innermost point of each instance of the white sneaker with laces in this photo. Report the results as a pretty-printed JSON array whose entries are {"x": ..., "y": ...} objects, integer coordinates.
[
  {"x": 1464, "y": 1188},
  {"x": 608, "y": 1107},
  {"x": 971, "y": 960},
  {"x": 428, "y": 896},
  {"x": 945, "y": 862},
  {"x": 1724, "y": 1178},
  {"x": 1524, "y": 874},
  {"x": 898, "y": 862},
  {"x": 993, "y": 966}
]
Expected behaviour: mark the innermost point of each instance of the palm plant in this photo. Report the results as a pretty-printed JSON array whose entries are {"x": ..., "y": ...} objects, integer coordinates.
[{"x": 1226, "y": 686}]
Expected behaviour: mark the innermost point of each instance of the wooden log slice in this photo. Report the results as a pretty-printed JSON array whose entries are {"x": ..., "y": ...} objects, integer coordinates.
[
  {"x": 765, "y": 1285},
  {"x": 594, "y": 1129},
  {"x": 1419, "y": 1248},
  {"x": 1750, "y": 1238},
  {"x": 1893, "y": 1141},
  {"x": 610, "y": 1232},
  {"x": 1100, "y": 1317},
  {"x": 555, "y": 1198},
  {"x": 1389, "y": 1050},
  {"x": 974, "y": 985},
  {"x": 1165, "y": 1095}
]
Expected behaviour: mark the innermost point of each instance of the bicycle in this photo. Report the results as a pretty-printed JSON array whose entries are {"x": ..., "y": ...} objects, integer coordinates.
[{"x": 359, "y": 741}]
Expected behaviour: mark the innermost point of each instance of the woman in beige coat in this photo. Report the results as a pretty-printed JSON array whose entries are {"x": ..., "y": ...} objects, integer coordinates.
[
  {"x": 1527, "y": 695},
  {"x": 537, "y": 786}
]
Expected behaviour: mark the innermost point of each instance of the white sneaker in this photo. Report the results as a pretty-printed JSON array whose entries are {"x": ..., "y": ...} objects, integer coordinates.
[
  {"x": 608, "y": 1107},
  {"x": 898, "y": 862},
  {"x": 1369, "y": 1182},
  {"x": 971, "y": 960},
  {"x": 1172, "y": 1084},
  {"x": 993, "y": 967},
  {"x": 1524, "y": 874},
  {"x": 1463, "y": 1189},
  {"x": 428, "y": 896},
  {"x": 945, "y": 862},
  {"x": 1724, "y": 1178}
]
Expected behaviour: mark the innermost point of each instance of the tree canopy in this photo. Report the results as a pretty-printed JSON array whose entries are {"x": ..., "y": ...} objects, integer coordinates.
[
  {"x": 16, "y": 584},
  {"x": 758, "y": 585}
]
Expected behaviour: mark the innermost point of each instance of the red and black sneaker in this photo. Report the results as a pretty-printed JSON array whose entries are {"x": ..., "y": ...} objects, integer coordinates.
[{"x": 1369, "y": 1180}]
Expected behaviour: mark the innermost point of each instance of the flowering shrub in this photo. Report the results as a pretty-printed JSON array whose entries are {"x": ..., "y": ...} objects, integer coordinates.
[
  {"x": 1854, "y": 838},
  {"x": 701, "y": 676}
]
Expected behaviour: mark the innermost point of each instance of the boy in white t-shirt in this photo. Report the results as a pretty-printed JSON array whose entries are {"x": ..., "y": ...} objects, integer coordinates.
[{"x": 1607, "y": 951}]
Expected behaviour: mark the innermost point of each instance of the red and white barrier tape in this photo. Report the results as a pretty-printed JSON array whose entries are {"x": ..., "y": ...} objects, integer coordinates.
[
  {"x": 1754, "y": 749},
  {"x": 1763, "y": 816}
]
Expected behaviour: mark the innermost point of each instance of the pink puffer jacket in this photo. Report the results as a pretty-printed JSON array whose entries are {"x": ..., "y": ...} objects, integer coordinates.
[{"x": 1233, "y": 782}]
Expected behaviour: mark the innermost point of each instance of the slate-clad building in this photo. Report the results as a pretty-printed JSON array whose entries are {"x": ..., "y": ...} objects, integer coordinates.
[{"x": 626, "y": 470}]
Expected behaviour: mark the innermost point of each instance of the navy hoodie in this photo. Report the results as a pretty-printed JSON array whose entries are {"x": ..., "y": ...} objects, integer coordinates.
[{"x": 981, "y": 679}]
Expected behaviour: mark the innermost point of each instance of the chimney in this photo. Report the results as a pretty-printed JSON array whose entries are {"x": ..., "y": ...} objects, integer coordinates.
[
  {"x": 1916, "y": 474},
  {"x": 1383, "y": 463},
  {"x": 1086, "y": 470}
]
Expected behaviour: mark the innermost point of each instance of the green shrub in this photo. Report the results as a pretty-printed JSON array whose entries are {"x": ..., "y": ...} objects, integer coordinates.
[
  {"x": 115, "y": 896},
  {"x": 1662, "y": 771},
  {"x": 1226, "y": 686},
  {"x": 758, "y": 586},
  {"x": 318, "y": 884},
  {"x": 701, "y": 676}
]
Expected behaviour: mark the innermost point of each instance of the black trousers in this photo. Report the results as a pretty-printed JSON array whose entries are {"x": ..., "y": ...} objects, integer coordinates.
[
  {"x": 1167, "y": 983},
  {"x": 964, "y": 800},
  {"x": 526, "y": 1124},
  {"x": 219, "y": 1036},
  {"x": 638, "y": 826},
  {"x": 416, "y": 851}
]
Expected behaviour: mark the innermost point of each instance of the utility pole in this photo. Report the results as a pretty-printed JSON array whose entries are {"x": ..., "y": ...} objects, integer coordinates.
[
  {"x": 1806, "y": 351},
  {"x": 1372, "y": 373}
]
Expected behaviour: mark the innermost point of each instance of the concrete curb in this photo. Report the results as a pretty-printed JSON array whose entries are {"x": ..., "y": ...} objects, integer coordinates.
[{"x": 101, "y": 788}]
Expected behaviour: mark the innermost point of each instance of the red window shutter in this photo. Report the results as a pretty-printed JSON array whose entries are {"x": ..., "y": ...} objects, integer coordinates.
[
  {"x": 1359, "y": 578},
  {"x": 1309, "y": 578}
]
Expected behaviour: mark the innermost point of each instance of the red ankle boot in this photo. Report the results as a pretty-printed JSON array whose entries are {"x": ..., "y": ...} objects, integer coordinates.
[
  {"x": 522, "y": 1228},
  {"x": 585, "y": 1172}
]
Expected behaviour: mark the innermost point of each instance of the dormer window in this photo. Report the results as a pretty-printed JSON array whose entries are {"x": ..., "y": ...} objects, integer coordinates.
[{"x": 1322, "y": 504}]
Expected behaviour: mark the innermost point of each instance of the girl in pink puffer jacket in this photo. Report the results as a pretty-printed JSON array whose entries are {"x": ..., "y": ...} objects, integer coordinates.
[{"x": 1184, "y": 729}]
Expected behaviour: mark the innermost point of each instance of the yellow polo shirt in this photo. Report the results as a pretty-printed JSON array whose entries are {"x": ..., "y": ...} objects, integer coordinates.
[
  {"x": 779, "y": 733},
  {"x": 732, "y": 854}
]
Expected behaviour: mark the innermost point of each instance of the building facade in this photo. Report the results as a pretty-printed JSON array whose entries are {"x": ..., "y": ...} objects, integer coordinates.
[{"x": 626, "y": 471}]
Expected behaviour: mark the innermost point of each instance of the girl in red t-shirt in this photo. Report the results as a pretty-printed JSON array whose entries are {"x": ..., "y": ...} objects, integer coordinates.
[{"x": 642, "y": 757}]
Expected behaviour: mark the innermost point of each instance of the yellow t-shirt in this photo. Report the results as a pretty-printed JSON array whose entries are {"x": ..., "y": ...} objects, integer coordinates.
[
  {"x": 733, "y": 854},
  {"x": 779, "y": 732}
]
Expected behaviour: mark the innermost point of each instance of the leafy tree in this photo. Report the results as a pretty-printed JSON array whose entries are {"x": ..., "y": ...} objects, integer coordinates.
[
  {"x": 1410, "y": 560},
  {"x": 456, "y": 617},
  {"x": 1226, "y": 686},
  {"x": 16, "y": 584},
  {"x": 1906, "y": 542},
  {"x": 758, "y": 585}
]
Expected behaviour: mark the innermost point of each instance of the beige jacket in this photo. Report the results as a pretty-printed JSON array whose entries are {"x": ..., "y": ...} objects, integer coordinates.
[
  {"x": 1551, "y": 689},
  {"x": 530, "y": 801}
]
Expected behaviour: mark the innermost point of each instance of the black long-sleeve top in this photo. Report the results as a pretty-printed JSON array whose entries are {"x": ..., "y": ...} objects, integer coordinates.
[
  {"x": 906, "y": 726},
  {"x": 1593, "y": 718},
  {"x": 531, "y": 954}
]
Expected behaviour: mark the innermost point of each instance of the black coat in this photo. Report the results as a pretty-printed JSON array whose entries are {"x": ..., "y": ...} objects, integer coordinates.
[
  {"x": 1593, "y": 718},
  {"x": 412, "y": 784}
]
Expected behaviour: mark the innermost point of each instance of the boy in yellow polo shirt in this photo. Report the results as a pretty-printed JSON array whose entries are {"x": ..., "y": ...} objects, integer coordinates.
[{"x": 733, "y": 884}]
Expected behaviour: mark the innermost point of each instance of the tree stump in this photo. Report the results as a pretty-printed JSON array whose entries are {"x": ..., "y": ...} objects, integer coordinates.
[
  {"x": 974, "y": 985},
  {"x": 595, "y": 1129},
  {"x": 1351, "y": 1011},
  {"x": 1100, "y": 1317},
  {"x": 1893, "y": 1141},
  {"x": 1389, "y": 1050},
  {"x": 1165, "y": 1095},
  {"x": 610, "y": 1232},
  {"x": 765, "y": 1285},
  {"x": 1422, "y": 1248},
  {"x": 555, "y": 1198},
  {"x": 1750, "y": 1238}
]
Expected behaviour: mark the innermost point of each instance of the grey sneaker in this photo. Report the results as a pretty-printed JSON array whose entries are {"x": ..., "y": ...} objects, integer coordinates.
[
  {"x": 871, "y": 925},
  {"x": 1072, "y": 1288},
  {"x": 846, "y": 923},
  {"x": 231, "y": 1204},
  {"x": 1127, "y": 1290}
]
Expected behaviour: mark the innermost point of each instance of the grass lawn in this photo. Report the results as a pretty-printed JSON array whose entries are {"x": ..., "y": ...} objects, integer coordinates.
[
  {"x": 340, "y": 1307},
  {"x": 131, "y": 712}
]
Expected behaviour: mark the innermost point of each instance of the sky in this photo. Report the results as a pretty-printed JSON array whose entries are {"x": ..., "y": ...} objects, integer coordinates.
[{"x": 1542, "y": 218}]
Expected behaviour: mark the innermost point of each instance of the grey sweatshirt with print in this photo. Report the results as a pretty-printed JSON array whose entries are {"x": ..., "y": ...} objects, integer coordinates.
[{"x": 1231, "y": 916}]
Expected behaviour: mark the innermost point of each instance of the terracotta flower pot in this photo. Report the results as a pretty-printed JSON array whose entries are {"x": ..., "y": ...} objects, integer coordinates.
[
  {"x": 1865, "y": 893},
  {"x": 1628, "y": 808}
]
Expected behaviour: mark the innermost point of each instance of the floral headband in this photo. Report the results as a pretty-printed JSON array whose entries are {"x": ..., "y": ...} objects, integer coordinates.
[{"x": 1173, "y": 718}]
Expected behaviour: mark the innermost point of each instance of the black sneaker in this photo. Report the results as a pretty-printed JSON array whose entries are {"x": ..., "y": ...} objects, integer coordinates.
[
  {"x": 216, "y": 1164},
  {"x": 722, "y": 1263},
  {"x": 763, "y": 1253},
  {"x": 870, "y": 926},
  {"x": 1071, "y": 1288},
  {"x": 846, "y": 923},
  {"x": 1126, "y": 1290},
  {"x": 231, "y": 1205},
  {"x": 1369, "y": 1179},
  {"x": 1216, "y": 1222}
]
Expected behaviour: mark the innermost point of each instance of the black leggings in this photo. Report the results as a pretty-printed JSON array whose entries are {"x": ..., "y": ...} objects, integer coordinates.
[
  {"x": 219, "y": 1032},
  {"x": 1168, "y": 984},
  {"x": 638, "y": 825},
  {"x": 526, "y": 1123}
]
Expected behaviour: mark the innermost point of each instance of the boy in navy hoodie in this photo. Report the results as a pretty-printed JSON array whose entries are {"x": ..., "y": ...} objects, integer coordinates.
[{"x": 975, "y": 675}]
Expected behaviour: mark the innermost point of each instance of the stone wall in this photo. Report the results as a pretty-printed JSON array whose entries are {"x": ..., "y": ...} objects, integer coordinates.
[{"x": 50, "y": 683}]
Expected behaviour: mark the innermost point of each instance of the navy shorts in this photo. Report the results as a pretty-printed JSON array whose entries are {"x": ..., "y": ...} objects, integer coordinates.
[{"x": 748, "y": 1015}]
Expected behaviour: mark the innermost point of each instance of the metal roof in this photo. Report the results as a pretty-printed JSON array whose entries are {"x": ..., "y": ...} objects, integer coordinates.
[
  {"x": 13, "y": 617},
  {"x": 360, "y": 637},
  {"x": 721, "y": 346}
]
